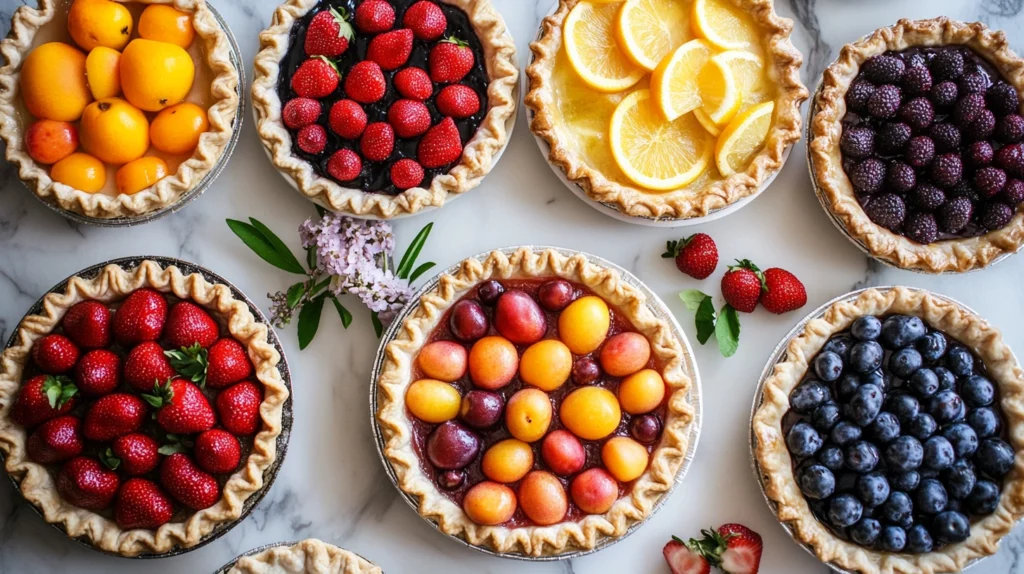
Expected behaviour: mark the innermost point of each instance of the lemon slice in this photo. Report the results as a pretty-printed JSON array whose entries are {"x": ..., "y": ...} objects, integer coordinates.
[
  {"x": 648, "y": 30},
  {"x": 748, "y": 71},
  {"x": 722, "y": 24},
  {"x": 719, "y": 93},
  {"x": 705, "y": 121},
  {"x": 654, "y": 153},
  {"x": 742, "y": 138},
  {"x": 589, "y": 36},
  {"x": 674, "y": 82}
]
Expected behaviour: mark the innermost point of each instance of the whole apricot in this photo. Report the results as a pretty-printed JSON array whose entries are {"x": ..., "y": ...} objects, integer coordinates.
[
  {"x": 528, "y": 415},
  {"x": 165, "y": 23},
  {"x": 155, "y": 75},
  {"x": 625, "y": 354},
  {"x": 641, "y": 392},
  {"x": 139, "y": 174},
  {"x": 594, "y": 491},
  {"x": 546, "y": 364},
  {"x": 591, "y": 413},
  {"x": 103, "y": 72},
  {"x": 49, "y": 141},
  {"x": 493, "y": 362},
  {"x": 433, "y": 401},
  {"x": 543, "y": 498},
  {"x": 53, "y": 84},
  {"x": 114, "y": 131},
  {"x": 94, "y": 23},
  {"x": 508, "y": 461},
  {"x": 443, "y": 360},
  {"x": 80, "y": 171},
  {"x": 176, "y": 130},
  {"x": 583, "y": 325},
  {"x": 625, "y": 458},
  {"x": 489, "y": 503}
]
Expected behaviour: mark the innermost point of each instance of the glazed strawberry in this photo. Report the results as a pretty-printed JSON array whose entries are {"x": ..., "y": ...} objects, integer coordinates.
[
  {"x": 142, "y": 504},
  {"x": 365, "y": 82},
  {"x": 87, "y": 324},
  {"x": 375, "y": 16},
  {"x": 187, "y": 483},
  {"x": 312, "y": 139},
  {"x": 344, "y": 165},
  {"x": 113, "y": 416},
  {"x": 391, "y": 49},
  {"x": 85, "y": 482},
  {"x": 316, "y": 78},
  {"x": 188, "y": 324},
  {"x": 227, "y": 363},
  {"x": 328, "y": 34},
  {"x": 409, "y": 118},
  {"x": 426, "y": 20},
  {"x": 450, "y": 60},
  {"x": 741, "y": 285},
  {"x": 378, "y": 141},
  {"x": 217, "y": 451},
  {"x": 42, "y": 398},
  {"x": 406, "y": 173},
  {"x": 300, "y": 112},
  {"x": 133, "y": 454},
  {"x": 238, "y": 408},
  {"x": 697, "y": 255},
  {"x": 347, "y": 119},
  {"x": 183, "y": 409},
  {"x": 55, "y": 354},
  {"x": 440, "y": 146},
  {"x": 56, "y": 440},
  {"x": 457, "y": 101},
  {"x": 140, "y": 318},
  {"x": 414, "y": 83},
  {"x": 147, "y": 366},
  {"x": 743, "y": 548},
  {"x": 683, "y": 560},
  {"x": 783, "y": 292},
  {"x": 98, "y": 373}
]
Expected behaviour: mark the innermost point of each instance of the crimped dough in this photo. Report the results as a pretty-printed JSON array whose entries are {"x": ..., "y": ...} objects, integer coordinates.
[{"x": 311, "y": 556}]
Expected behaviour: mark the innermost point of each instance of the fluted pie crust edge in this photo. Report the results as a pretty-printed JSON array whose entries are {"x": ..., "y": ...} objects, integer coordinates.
[
  {"x": 113, "y": 283},
  {"x": 310, "y": 556},
  {"x": 953, "y": 255},
  {"x": 776, "y": 465}
]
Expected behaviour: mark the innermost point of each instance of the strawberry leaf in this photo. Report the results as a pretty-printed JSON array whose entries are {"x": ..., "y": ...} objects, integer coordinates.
[
  {"x": 309, "y": 321},
  {"x": 173, "y": 448},
  {"x": 190, "y": 362},
  {"x": 671, "y": 249},
  {"x": 346, "y": 317},
  {"x": 727, "y": 331},
  {"x": 692, "y": 298},
  {"x": 58, "y": 390},
  {"x": 108, "y": 459},
  {"x": 264, "y": 246},
  {"x": 344, "y": 28},
  {"x": 705, "y": 320}
]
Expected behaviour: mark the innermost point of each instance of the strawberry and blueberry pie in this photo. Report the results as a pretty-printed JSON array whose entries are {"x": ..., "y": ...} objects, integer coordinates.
[
  {"x": 141, "y": 408},
  {"x": 382, "y": 108}
]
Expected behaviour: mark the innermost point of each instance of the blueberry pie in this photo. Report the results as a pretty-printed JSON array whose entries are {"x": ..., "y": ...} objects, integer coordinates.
[
  {"x": 887, "y": 435},
  {"x": 310, "y": 556}
]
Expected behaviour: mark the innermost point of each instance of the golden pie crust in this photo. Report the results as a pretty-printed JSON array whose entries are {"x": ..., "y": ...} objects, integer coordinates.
[
  {"x": 776, "y": 466},
  {"x": 499, "y": 53},
  {"x": 686, "y": 203},
  {"x": 953, "y": 255},
  {"x": 311, "y": 556},
  {"x": 113, "y": 284},
  {"x": 396, "y": 376},
  {"x": 221, "y": 114}
]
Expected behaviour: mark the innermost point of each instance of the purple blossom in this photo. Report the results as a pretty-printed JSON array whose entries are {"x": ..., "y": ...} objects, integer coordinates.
[{"x": 280, "y": 312}]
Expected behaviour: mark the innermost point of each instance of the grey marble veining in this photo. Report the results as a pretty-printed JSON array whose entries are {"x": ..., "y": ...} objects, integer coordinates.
[{"x": 332, "y": 485}]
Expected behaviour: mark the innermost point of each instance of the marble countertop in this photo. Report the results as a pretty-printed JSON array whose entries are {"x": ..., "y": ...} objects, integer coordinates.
[{"x": 332, "y": 485}]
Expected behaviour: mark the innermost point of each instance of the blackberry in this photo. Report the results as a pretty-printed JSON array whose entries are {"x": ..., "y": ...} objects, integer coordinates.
[
  {"x": 982, "y": 126},
  {"x": 917, "y": 113},
  {"x": 900, "y": 177},
  {"x": 893, "y": 137},
  {"x": 989, "y": 181},
  {"x": 948, "y": 65},
  {"x": 868, "y": 176},
  {"x": 945, "y": 136},
  {"x": 858, "y": 142},
  {"x": 920, "y": 151},
  {"x": 955, "y": 215},
  {"x": 979, "y": 154},
  {"x": 964, "y": 188},
  {"x": 884, "y": 69},
  {"x": 915, "y": 61},
  {"x": 858, "y": 95},
  {"x": 927, "y": 197},
  {"x": 885, "y": 102},
  {"x": 1011, "y": 158},
  {"x": 967, "y": 109},
  {"x": 917, "y": 81},
  {"x": 1002, "y": 99},
  {"x": 1013, "y": 192},
  {"x": 1010, "y": 129},
  {"x": 921, "y": 227},
  {"x": 995, "y": 215},
  {"x": 945, "y": 94},
  {"x": 973, "y": 83},
  {"x": 947, "y": 169},
  {"x": 887, "y": 210}
]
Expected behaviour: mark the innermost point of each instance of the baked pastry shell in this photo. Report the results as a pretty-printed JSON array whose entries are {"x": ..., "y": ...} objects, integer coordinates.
[
  {"x": 309, "y": 556},
  {"x": 182, "y": 278},
  {"x": 621, "y": 290},
  {"x": 772, "y": 464}
]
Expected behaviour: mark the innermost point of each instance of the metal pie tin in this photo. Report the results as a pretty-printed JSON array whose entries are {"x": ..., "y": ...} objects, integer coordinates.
[
  {"x": 269, "y": 475},
  {"x": 227, "y": 567},
  {"x": 654, "y": 303}
]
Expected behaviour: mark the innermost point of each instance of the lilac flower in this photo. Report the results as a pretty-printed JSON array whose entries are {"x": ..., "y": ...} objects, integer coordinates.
[{"x": 280, "y": 312}]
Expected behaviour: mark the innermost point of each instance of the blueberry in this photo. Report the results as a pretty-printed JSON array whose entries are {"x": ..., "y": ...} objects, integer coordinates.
[
  {"x": 840, "y": 345},
  {"x": 866, "y": 356},
  {"x": 825, "y": 417},
  {"x": 960, "y": 479},
  {"x": 959, "y": 360},
  {"x": 831, "y": 457},
  {"x": 924, "y": 382},
  {"x": 932, "y": 346},
  {"x": 817, "y": 482},
  {"x": 872, "y": 489},
  {"x": 905, "y": 362},
  {"x": 846, "y": 386},
  {"x": 892, "y": 539},
  {"x": 828, "y": 366},
  {"x": 938, "y": 453},
  {"x": 844, "y": 511},
  {"x": 947, "y": 380},
  {"x": 984, "y": 499},
  {"x": 866, "y": 328},
  {"x": 862, "y": 456},
  {"x": 963, "y": 438},
  {"x": 885, "y": 428},
  {"x": 905, "y": 407},
  {"x": 906, "y": 481},
  {"x": 919, "y": 540},
  {"x": 950, "y": 527},
  {"x": 930, "y": 497},
  {"x": 977, "y": 391},
  {"x": 984, "y": 421},
  {"x": 904, "y": 453},
  {"x": 844, "y": 433},
  {"x": 994, "y": 457},
  {"x": 803, "y": 440},
  {"x": 865, "y": 532},
  {"x": 898, "y": 331},
  {"x": 898, "y": 509},
  {"x": 946, "y": 407},
  {"x": 865, "y": 405},
  {"x": 878, "y": 377},
  {"x": 922, "y": 426},
  {"x": 808, "y": 396}
]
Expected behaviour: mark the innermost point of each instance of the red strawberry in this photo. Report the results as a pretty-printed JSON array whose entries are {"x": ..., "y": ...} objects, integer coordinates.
[
  {"x": 98, "y": 373},
  {"x": 365, "y": 82},
  {"x": 142, "y": 504},
  {"x": 378, "y": 141},
  {"x": 86, "y": 483},
  {"x": 440, "y": 146},
  {"x": 55, "y": 354},
  {"x": 238, "y": 408},
  {"x": 187, "y": 483},
  {"x": 697, "y": 255},
  {"x": 409, "y": 118},
  {"x": 312, "y": 139},
  {"x": 300, "y": 112},
  {"x": 374, "y": 16},
  {"x": 391, "y": 49},
  {"x": 316, "y": 78},
  {"x": 344, "y": 165},
  {"x": 328, "y": 34},
  {"x": 426, "y": 20},
  {"x": 188, "y": 324},
  {"x": 140, "y": 318},
  {"x": 114, "y": 416},
  {"x": 217, "y": 451},
  {"x": 42, "y": 398},
  {"x": 406, "y": 173},
  {"x": 458, "y": 101},
  {"x": 147, "y": 366},
  {"x": 682, "y": 560},
  {"x": 227, "y": 363},
  {"x": 183, "y": 409},
  {"x": 741, "y": 285},
  {"x": 134, "y": 454},
  {"x": 56, "y": 440},
  {"x": 450, "y": 60},
  {"x": 414, "y": 83},
  {"x": 783, "y": 292},
  {"x": 743, "y": 549},
  {"x": 347, "y": 119},
  {"x": 88, "y": 324}
]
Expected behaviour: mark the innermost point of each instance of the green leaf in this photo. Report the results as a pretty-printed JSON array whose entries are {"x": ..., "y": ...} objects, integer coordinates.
[
  {"x": 705, "y": 320},
  {"x": 190, "y": 362},
  {"x": 346, "y": 317},
  {"x": 421, "y": 270},
  {"x": 295, "y": 293},
  {"x": 692, "y": 298},
  {"x": 262, "y": 246},
  {"x": 53, "y": 395},
  {"x": 173, "y": 448},
  {"x": 727, "y": 331},
  {"x": 108, "y": 458},
  {"x": 409, "y": 259},
  {"x": 319, "y": 287},
  {"x": 378, "y": 327},
  {"x": 320, "y": 210},
  {"x": 309, "y": 321},
  {"x": 278, "y": 245},
  {"x": 311, "y": 257}
]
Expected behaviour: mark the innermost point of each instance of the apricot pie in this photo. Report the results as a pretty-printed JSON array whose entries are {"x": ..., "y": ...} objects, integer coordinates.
[
  {"x": 116, "y": 109},
  {"x": 310, "y": 556},
  {"x": 533, "y": 403},
  {"x": 141, "y": 408},
  {"x": 665, "y": 108}
]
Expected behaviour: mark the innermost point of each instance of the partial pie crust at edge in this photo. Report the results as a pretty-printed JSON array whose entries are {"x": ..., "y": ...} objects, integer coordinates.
[
  {"x": 224, "y": 90},
  {"x": 776, "y": 465},
  {"x": 396, "y": 376},
  {"x": 955, "y": 255},
  {"x": 310, "y": 556},
  {"x": 113, "y": 283},
  {"x": 478, "y": 153}
]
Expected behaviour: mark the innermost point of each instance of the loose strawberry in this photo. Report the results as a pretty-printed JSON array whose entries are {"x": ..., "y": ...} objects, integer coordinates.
[
  {"x": 365, "y": 82},
  {"x": 316, "y": 78},
  {"x": 238, "y": 408},
  {"x": 188, "y": 324},
  {"x": 114, "y": 416},
  {"x": 300, "y": 112},
  {"x": 98, "y": 373},
  {"x": 409, "y": 118},
  {"x": 134, "y": 454},
  {"x": 741, "y": 285},
  {"x": 55, "y": 354},
  {"x": 140, "y": 318},
  {"x": 312, "y": 139},
  {"x": 42, "y": 398},
  {"x": 682, "y": 560},
  {"x": 187, "y": 483},
  {"x": 347, "y": 119},
  {"x": 183, "y": 409},
  {"x": 406, "y": 173},
  {"x": 426, "y": 20},
  {"x": 440, "y": 146},
  {"x": 227, "y": 363},
  {"x": 344, "y": 165},
  {"x": 328, "y": 34},
  {"x": 743, "y": 549},
  {"x": 88, "y": 324},
  {"x": 450, "y": 60},
  {"x": 783, "y": 292},
  {"x": 85, "y": 482},
  {"x": 697, "y": 255},
  {"x": 146, "y": 366},
  {"x": 375, "y": 16},
  {"x": 390, "y": 50},
  {"x": 458, "y": 101},
  {"x": 378, "y": 141},
  {"x": 217, "y": 451},
  {"x": 56, "y": 440},
  {"x": 414, "y": 83},
  {"x": 142, "y": 504}
]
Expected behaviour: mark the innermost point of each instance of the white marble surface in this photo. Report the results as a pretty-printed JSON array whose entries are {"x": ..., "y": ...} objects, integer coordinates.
[{"x": 332, "y": 485}]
